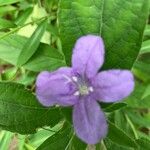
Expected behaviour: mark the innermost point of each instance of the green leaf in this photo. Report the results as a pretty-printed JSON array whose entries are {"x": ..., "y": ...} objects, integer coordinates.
[
  {"x": 24, "y": 16},
  {"x": 118, "y": 136},
  {"x": 77, "y": 144},
  {"x": 113, "y": 146},
  {"x": 138, "y": 119},
  {"x": 5, "y": 24},
  {"x": 6, "y": 139},
  {"x": 45, "y": 58},
  {"x": 21, "y": 112},
  {"x": 59, "y": 141},
  {"x": 114, "y": 107},
  {"x": 115, "y": 21},
  {"x": 145, "y": 47},
  {"x": 32, "y": 44},
  {"x": 138, "y": 99},
  {"x": 65, "y": 139},
  {"x": 7, "y": 2},
  {"x": 144, "y": 144}
]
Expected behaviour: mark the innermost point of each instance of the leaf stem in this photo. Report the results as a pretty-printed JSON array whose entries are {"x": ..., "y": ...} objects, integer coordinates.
[{"x": 29, "y": 23}]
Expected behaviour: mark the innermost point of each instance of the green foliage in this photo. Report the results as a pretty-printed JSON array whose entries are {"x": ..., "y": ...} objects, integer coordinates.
[
  {"x": 115, "y": 134},
  {"x": 39, "y": 35},
  {"x": 45, "y": 58},
  {"x": 6, "y": 2},
  {"x": 20, "y": 111},
  {"x": 32, "y": 44},
  {"x": 115, "y": 20}
]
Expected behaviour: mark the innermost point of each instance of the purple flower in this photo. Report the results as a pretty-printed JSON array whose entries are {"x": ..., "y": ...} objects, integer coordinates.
[{"x": 82, "y": 86}]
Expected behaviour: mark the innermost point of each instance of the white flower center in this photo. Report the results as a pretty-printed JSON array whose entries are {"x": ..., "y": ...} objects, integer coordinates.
[{"x": 83, "y": 88}]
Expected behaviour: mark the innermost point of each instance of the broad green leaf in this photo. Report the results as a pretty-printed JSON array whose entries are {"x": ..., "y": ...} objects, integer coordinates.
[
  {"x": 59, "y": 141},
  {"x": 113, "y": 146},
  {"x": 77, "y": 144},
  {"x": 38, "y": 138},
  {"x": 65, "y": 139},
  {"x": 32, "y": 44},
  {"x": 114, "y": 20},
  {"x": 45, "y": 58},
  {"x": 144, "y": 144},
  {"x": 118, "y": 136},
  {"x": 7, "y": 2},
  {"x": 67, "y": 113},
  {"x": 4, "y": 24},
  {"x": 21, "y": 112}
]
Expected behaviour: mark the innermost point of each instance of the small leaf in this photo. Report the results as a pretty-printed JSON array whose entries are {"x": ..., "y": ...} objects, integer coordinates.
[
  {"x": 114, "y": 107},
  {"x": 32, "y": 44},
  {"x": 5, "y": 24},
  {"x": 45, "y": 58},
  {"x": 7, "y": 2},
  {"x": 137, "y": 98},
  {"x": 118, "y": 136},
  {"x": 21, "y": 112}
]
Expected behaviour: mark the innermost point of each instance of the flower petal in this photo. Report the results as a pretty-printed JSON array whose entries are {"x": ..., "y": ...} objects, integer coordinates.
[
  {"x": 89, "y": 121},
  {"x": 56, "y": 87},
  {"x": 88, "y": 55},
  {"x": 113, "y": 85}
]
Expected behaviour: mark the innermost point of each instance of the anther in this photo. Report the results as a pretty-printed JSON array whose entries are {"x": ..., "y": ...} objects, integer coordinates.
[
  {"x": 77, "y": 93},
  {"x": 91, "y": 89},
  {"x": 74, "y": 78}
]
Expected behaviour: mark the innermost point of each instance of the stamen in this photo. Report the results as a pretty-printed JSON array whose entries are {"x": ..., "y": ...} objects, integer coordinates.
[
  {"x": 77, "y": 93},
  {"x": 67, "y": 78},
  {"x": 91, "y": 89},
  {"x": 74, "y": 78}
]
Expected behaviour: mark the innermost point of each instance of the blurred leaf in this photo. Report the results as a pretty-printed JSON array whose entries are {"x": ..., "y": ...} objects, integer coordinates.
[
  {"x": 120, "y": 137},
  {"x": 5, "y": 24},
  {"x": 114, "y": 107},
  {"x": 145, "y": 47},
  {"x": 122, "y": 122},
  {"x": 24, "y": 16},
  {"x": 7, "y": 2},
  {"x": 137, "y": 98},
  {"x": 113, "y": 146},
  {"x": 21, "y": 112},
  {"x": 45, "y": 58},
  {"x": 138, "y": 119},
  {"x": 9, "y": 74},
  {"x": 147, "y": 31},
  {"x": 6, "y": 139},
  {"x": 77, "y": 144},
  {"x": 6, "y": 9},
  {"x": 115, "y": 21},
  {"x": 144, "y": 144},
  {"x": 32, "y": 44}
]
